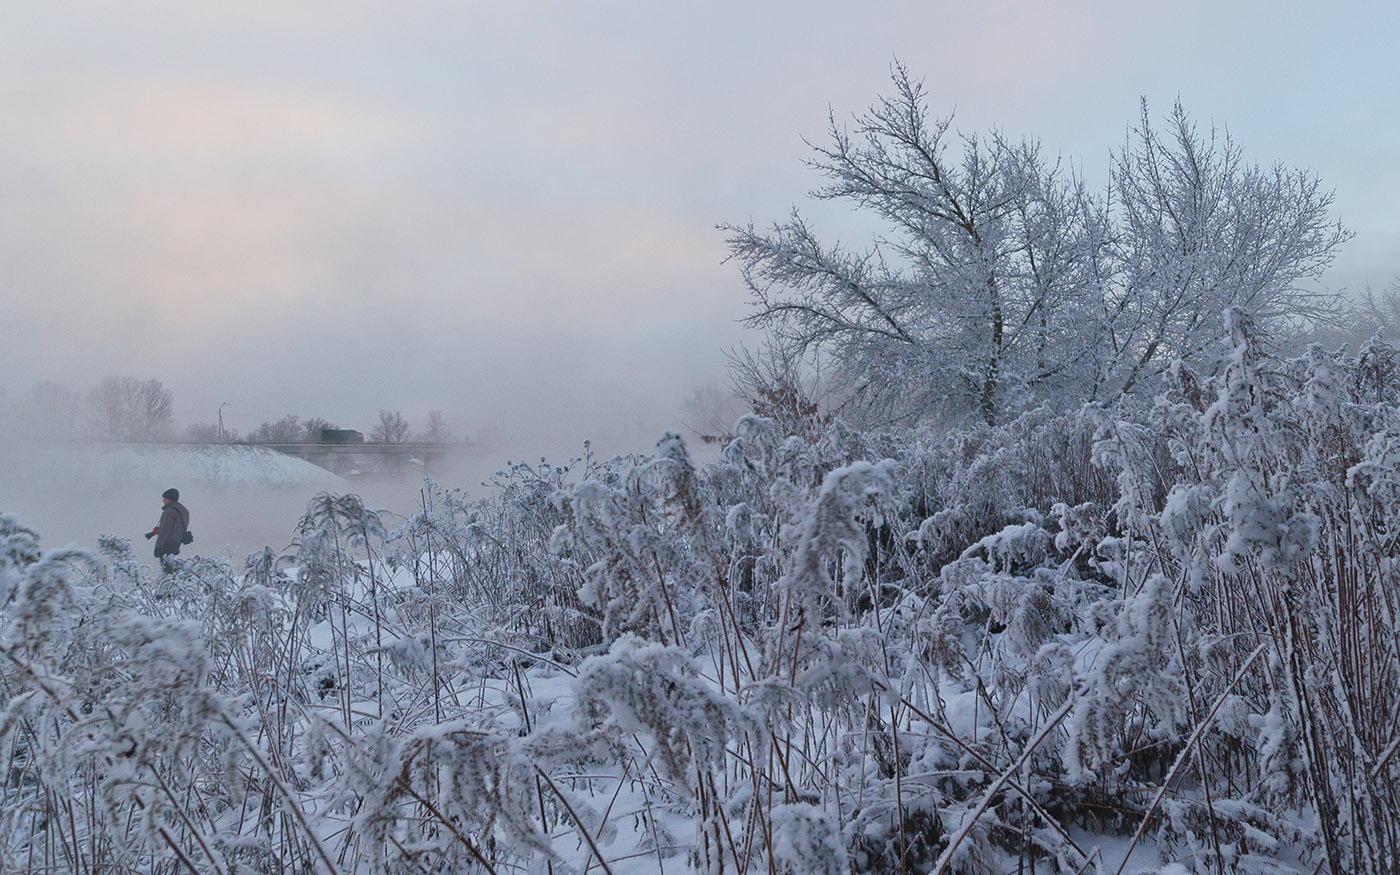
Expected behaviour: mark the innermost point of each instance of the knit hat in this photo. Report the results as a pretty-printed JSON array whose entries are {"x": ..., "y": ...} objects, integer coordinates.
[{"x": 172, "y": 493}]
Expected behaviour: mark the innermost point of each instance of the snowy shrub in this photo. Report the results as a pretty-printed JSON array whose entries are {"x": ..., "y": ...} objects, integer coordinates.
[
  {"x": 1131, "y": 699},
  {"x": 806, "y": 840},
  {"x": 19, "y": 546},
  {"x": 446, "y": 794},
  {"x": 658, "y": 691},
  {"x": 958, "y": 650}
]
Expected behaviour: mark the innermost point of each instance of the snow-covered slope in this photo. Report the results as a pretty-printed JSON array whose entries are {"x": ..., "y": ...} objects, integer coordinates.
[{"x": 96, "y": 466}]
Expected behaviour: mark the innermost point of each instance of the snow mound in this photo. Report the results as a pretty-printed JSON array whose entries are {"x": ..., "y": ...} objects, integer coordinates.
[{"x": 115, "y": 465}]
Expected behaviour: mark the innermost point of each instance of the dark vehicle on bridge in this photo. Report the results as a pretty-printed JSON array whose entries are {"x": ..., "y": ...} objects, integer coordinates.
[{"x": 341, "y": 436}]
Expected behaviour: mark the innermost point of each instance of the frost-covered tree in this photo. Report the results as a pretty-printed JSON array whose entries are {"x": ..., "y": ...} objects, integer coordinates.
[
  {"x": 1369, "y": 314},
  {"x": 311, "y": 428},
  {"x": 284, "y": 431},
  {"x": 392, "y": 428},
  {"x": 128, "y": 409},
  {"x": 48, "y": 411},
  {"x": 435, "y": 428},
  {"x": 208, "y": 433},
  {"x": 778, "y": 381},
  {"x": 709, "y": 409},
  {"x": 930, "y": 317},
  {"x": 1198, "y": 230},
  {"x": 1378, "y": 311},
  {"x": 1001, "y": 281}
]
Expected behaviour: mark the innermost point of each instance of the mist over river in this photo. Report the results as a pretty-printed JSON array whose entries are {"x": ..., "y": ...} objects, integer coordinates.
[{"x": 240, "y": 499}]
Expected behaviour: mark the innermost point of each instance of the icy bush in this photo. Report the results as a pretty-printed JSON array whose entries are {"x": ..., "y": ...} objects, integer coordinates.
[{"x": 1164, "y": 630}]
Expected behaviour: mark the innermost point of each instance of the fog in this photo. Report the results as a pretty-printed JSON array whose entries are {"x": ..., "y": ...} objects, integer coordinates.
[
  {"x": 227, "y": 521},
  {"x": 508, "y": 213},
  {"x": 70, "y": 499},
  {"x": 242, "y": 497}
]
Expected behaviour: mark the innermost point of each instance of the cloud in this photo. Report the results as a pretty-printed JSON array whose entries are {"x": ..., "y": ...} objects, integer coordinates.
[{"x": 130, "y": 124}]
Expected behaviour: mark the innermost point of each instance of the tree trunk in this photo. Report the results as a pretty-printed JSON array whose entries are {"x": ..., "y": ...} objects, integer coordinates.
[{"x": 989, "y": 382}]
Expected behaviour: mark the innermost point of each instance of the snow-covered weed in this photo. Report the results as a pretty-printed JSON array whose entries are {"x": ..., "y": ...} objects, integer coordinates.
[{"x": 1074, "y": 639}]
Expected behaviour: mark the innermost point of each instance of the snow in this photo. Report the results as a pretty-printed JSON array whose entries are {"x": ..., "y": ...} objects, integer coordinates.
[
  {"x": 753, "y": 665},
  {"x": 115, "y": 465}
]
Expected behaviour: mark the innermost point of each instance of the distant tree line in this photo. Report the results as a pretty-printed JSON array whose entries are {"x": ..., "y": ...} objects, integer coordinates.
[
  {"x": 117, "y": 408},
  {"x": 392, "y": 427},
  {"x": 136, "y": 410}
]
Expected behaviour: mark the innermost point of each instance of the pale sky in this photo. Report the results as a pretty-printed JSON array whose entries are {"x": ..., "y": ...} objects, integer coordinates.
[{"x": 508, "y": 210}]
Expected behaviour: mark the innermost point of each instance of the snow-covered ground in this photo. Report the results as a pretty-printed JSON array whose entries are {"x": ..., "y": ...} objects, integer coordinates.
[
  {"x": 793, "y": 660},
  {"x": 99, "y": 466}
]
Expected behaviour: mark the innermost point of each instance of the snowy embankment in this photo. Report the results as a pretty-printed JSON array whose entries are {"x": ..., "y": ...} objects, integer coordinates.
[{"x": 117, "y": 465}]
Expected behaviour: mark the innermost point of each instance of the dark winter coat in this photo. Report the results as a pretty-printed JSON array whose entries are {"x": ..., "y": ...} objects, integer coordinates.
[{"x": 174, "y": 521}]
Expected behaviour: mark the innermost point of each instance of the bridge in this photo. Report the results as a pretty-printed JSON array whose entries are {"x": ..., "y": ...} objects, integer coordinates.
[{"x": 345, "y": 458}]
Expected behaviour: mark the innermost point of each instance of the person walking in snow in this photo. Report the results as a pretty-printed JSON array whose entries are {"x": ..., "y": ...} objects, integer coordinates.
[{"x": 174, "y": 525}]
